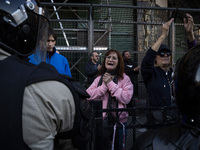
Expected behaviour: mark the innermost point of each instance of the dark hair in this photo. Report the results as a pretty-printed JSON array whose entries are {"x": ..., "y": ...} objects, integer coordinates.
[
  {"x": 52, "y": 32},
  {"x": 120, "y": 66},
  {"x": 124, "y": 53},
  {"x": 92, "y": 53}
]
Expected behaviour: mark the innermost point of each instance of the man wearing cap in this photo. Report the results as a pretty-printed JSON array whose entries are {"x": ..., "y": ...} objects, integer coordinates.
[{"x": 156, "y": 67}]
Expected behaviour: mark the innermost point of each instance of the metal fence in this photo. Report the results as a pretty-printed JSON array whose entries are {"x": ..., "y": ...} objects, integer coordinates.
[
  {"x": 139, "y": 120},
  {"x": 83, "y": 28}
]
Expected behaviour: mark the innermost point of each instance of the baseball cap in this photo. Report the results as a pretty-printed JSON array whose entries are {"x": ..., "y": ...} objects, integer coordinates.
[{"x": 164, "y": 47}]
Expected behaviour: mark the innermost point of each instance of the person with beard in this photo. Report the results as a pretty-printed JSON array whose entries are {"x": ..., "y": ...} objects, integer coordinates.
[
  {"x": 132, "y": 70},
  {"x": 115, "y": 89},
  {"x": 92, "y": 67},
  {"x": 53, "y": 57}
]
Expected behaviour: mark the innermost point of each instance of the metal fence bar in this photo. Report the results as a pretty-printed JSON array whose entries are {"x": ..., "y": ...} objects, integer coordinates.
[{"x": 137, "y": 114}]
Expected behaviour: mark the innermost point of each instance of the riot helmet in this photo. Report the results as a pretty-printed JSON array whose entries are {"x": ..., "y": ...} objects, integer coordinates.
[
  {"x": 187, "y": 83},
  {"x": 23, "y": 27}
]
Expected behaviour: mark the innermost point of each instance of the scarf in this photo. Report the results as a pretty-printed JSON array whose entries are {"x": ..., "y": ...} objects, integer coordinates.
[{"x": 112, "y": 102}]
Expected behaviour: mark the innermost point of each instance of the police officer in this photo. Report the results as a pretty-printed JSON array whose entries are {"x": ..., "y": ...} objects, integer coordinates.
[{"x": 34, "y": 107}]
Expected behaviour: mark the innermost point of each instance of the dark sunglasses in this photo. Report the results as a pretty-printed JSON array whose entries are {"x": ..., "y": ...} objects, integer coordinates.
[{"x": 162, "y": 54}]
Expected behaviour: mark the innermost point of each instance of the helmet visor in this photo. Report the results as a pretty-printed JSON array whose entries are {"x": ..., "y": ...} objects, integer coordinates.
[
  {"x": 22, "y": 25},
  {"x": 40, "y": 49}
]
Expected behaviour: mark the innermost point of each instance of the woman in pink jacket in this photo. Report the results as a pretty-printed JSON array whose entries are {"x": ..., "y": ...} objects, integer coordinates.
[{"x": 114, "y": 88}]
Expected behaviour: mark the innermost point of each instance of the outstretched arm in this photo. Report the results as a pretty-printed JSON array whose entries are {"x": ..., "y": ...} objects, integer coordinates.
[{"x": 165, "y": 32}]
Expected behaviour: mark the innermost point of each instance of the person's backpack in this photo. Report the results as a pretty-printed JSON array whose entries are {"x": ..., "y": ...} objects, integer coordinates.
[{"x": 80, "y": 133}]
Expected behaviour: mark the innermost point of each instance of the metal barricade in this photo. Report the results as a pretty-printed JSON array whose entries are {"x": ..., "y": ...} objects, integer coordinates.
[{"x": 139, "y": 121}]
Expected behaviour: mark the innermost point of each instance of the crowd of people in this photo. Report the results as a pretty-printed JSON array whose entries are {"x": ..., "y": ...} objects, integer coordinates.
[{"x": 42, "y": 107}]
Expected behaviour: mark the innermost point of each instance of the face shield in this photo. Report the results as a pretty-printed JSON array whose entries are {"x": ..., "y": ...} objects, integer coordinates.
[
  {"x": 40, "y": 49},
  {"x": 197, "y": 76}
]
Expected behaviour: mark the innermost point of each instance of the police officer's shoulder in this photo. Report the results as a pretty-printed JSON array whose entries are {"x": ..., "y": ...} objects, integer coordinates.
[
  {"x": 144, "y": 140},
  {"x": 168, "y": 137},
  {"x": 158, "y": 138}
]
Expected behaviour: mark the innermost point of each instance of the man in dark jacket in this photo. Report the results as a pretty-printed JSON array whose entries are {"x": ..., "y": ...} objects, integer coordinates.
[
  {"x": 130, "y": 67},
  {"x": 132, "y": 70},
  {"x": 92, "y": 67}
]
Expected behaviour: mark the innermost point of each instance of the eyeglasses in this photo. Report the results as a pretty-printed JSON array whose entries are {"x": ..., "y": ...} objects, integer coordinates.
[{"x": 162, "y": 54}]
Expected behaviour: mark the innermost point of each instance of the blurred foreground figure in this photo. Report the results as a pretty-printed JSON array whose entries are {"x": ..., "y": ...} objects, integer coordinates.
[
  {"x": 37, "y": 105},
  {"x": 186, "y": 134}
]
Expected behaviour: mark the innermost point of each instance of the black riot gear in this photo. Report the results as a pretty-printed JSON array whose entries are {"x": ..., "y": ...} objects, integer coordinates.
[
  {"x": 23, "y": 27},
  {"x": 187, "y": 82}
]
